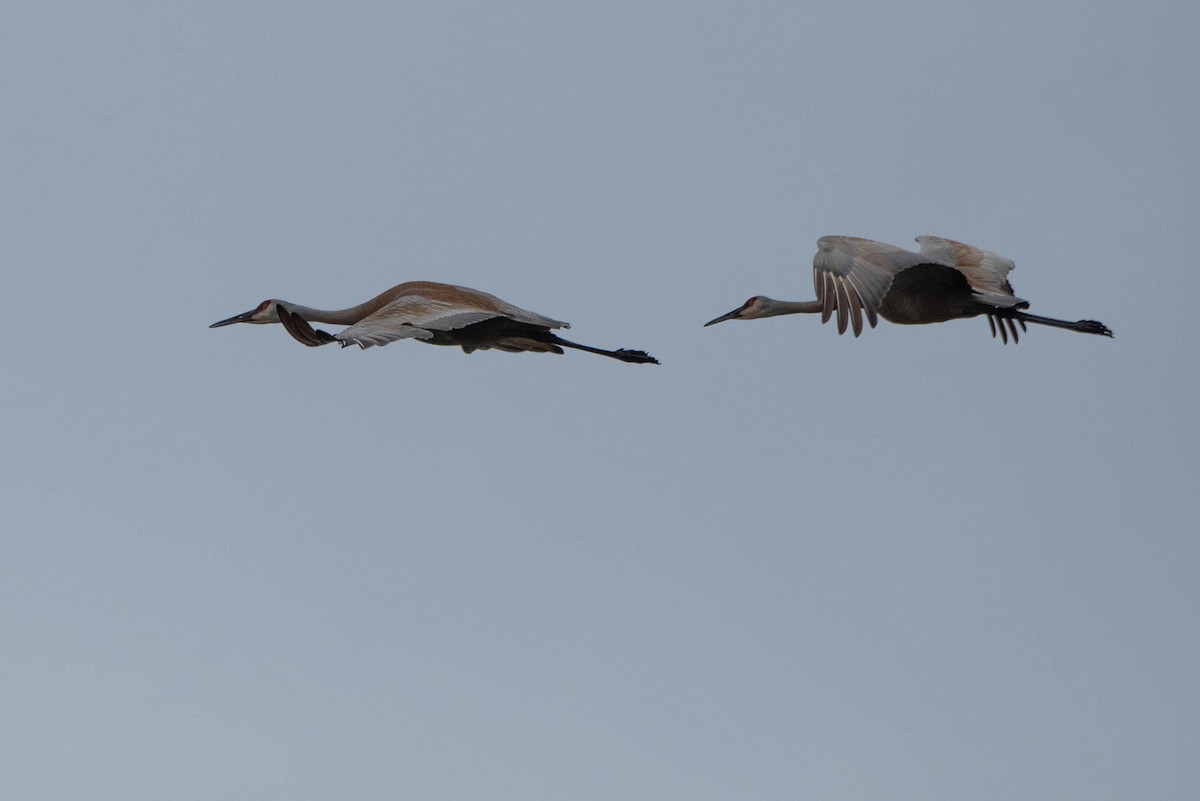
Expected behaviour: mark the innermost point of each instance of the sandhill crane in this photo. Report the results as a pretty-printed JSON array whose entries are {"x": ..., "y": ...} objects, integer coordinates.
[
  {"x": 438, "y": 314},
  {"x": 946, "y": 280}
]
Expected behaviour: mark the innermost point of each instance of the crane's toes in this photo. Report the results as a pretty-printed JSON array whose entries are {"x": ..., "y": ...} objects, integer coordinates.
[
  {"x": 1093, "y": 327},
  {"x": 635, "y": 356}
]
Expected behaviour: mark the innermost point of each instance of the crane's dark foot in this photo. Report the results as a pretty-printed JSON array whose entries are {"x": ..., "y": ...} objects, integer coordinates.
[
  {"x": 634, "y": 356},
  {"x": 1093, "y": 327}
]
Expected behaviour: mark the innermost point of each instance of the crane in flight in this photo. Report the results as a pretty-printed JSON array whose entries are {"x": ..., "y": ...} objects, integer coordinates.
[
  {"x": 438, "y": 314},
  {"x": 944, "y": 280}
]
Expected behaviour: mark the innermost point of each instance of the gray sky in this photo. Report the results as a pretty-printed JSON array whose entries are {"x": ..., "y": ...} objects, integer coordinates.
[{"x": 784, "y": 564}]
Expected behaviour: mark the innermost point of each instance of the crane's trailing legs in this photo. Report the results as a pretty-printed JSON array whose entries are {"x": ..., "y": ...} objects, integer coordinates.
[
  {"x": 998, "y": 318},
  {"x": 623, "y": 354},
  {"x": 1005, "y": 321}
]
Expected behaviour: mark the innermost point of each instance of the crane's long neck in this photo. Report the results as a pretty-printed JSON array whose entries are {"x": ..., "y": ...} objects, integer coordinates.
[
  {"x": 348, "y": 316},
  {"x": 769, "y": 307}
]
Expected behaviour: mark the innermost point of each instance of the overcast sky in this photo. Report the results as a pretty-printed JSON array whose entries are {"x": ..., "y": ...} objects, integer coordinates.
[{"x": 783, "y": 565}]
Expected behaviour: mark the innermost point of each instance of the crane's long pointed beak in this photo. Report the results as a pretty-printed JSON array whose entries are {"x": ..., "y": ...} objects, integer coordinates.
[
  {"x": 731, "y": 316},
  {"x": 244, "y": 317}
]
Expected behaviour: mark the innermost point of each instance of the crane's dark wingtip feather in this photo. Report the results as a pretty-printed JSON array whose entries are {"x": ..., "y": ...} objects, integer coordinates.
[{"x": 301, "y": 331}]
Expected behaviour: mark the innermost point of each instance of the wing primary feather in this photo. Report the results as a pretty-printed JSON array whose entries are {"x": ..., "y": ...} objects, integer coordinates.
[
  {"x": 301, "y": 331},
  {"x": 843, "y": 306},
  {"x": 828, "y": 298},
  {"x": 871, "y": 316},
  {"x": 857, "y": 304},
  {"x": 856, "y": 314}
]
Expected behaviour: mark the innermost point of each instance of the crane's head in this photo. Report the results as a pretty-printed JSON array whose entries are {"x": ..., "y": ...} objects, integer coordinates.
[
  {"x": 749, "y": 310},
  {"x": 265, "y": 312}
]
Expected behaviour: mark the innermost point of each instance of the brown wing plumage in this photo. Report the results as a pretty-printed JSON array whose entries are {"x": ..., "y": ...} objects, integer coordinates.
[
  {"x": 986, "y": 272},
  {"x": 420, "y": 308},
  {"x": 853, "y": 275}
]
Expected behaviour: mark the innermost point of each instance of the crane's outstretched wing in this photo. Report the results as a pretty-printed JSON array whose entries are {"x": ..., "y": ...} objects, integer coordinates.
[
  {"x": 415, "y": 310},
  {"x": 987, "y": 274},
  {"x": 407, "y": 318},
  {"x": 377, "y": 329},
  {"x": 435, "y": 307},
  {"x": 853, "y": 275},
  {"x": 412, "y": 316}
]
